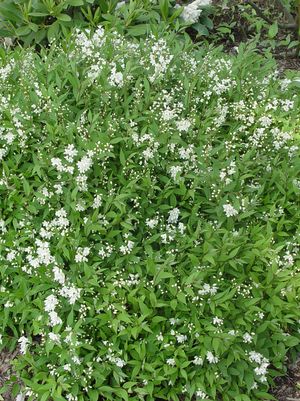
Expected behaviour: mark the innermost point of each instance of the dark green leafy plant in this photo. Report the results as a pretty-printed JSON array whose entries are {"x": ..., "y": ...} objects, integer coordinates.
[{"x": 39, "y": 21}]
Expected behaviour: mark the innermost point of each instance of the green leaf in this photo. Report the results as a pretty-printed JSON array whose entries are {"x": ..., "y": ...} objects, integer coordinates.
[
  {"x": 120, "y": 392},
  {"x": 273, "y": 30},
  {"x": 164, "y": 8},
  {"x": 23, "y": 30},
  {"x": 93, "y": 395},
  {"x": 53, "y": 31},
  {"x": 122, "y": 158},
  {"x": 76, "y": 3},
  {"x": 138, "y": 30},
  {"x": 201, "y": 29},
  {"x": 64, "y": 17},
  {"x": 26, "y": 187}
]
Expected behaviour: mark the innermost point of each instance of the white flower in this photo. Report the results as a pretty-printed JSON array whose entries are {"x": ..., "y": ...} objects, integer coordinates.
[
  {"x": 20, "y": 397},
  {"x": 84, "y": 164},
  {"x": 171, "y": 362},
  {"x": 201, "y": 394},
  {"x": 54, "y": 319},
  {"x": 192, "y": 11},
  {"x": 76, "y": 360},
  {"x": 229, "y": 210},
  {"x": 211, "y": 358},
  {"x": 59, "y": 275},
  {"x": 198, "y": 361},
  {"x": 181, "y": 338},
  {"x": 43, "y": 253},
  {"x": 2, "y": 226},
  {"x": 127, "y": 248},
  {"x": 70, "y": 152},
  {"x": 247, "y": 338},
  {"x": 173, "y": 216},
  {"x": 255, "y": 357},
  {"x": 116, "y": 77},
  {"x": 50, "y": 303},
  {"x": 183, "y": 125},
  {"x": 97, "y": 202},
  {"x": 72, "y": 293},
  {"x": 82, "y": 254},
  {"x": 23, "y": 341},
  {"x": 175, "y": 171},
  {"x": 217, "y": 321},
  {"x": 120, "y": 362},
  {"x": 168, "y": 115},
  {"x": 151, "y": 223},
  {"x": 54, "y": 337}
]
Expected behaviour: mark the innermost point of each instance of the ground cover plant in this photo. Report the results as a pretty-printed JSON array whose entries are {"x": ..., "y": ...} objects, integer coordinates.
[{"x": 149, "y": 220}]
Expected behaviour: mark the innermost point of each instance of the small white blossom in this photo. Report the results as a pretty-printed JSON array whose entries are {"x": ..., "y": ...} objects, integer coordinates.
[
  {"x": 173, "y": 216},
  {"x": 229, "y": 210},
  {"x": 50, "y": 303},
  {"x": 211, "y": 358},
  {"x": 192, "y": 11},
  {"x": 198, "y": 361},
  {"x": 84, "y": 164},
  {"x": 171, "y": 362},
  {"x": 23, "y": 341}
]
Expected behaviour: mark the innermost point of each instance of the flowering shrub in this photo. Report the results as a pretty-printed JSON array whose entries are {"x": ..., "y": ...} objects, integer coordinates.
[{"x": 149, "y": 222}]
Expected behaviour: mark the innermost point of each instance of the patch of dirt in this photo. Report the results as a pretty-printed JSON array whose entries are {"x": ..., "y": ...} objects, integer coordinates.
[
  {"x": 288, "y": 387},
  {"x": 230, "y": 14},
  {"x": 288, "y": 64},
  {"x": 5, "y": 370}
]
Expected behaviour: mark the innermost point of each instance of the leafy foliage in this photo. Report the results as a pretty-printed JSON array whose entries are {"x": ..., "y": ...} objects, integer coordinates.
[
  {"x": 150, "y": 220},
  {"x": 45, "y": 20}
]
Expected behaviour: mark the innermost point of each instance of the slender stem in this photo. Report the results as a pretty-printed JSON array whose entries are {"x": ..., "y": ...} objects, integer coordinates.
[
  {"x": 259, "y": 12},
  {"x": 285, "y": 10}
]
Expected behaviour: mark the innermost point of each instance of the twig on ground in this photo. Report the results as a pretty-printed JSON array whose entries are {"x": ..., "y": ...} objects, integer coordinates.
[{"x": 259, "y": 12}]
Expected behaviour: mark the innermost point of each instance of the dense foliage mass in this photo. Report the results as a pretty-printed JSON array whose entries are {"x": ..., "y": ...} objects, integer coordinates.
[
  {"x": 41, "y": 20},
  {"x": 150, "y": 220}
]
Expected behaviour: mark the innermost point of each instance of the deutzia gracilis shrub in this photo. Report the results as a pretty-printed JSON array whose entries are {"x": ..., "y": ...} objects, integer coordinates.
[{"x": 149, "y": 221}]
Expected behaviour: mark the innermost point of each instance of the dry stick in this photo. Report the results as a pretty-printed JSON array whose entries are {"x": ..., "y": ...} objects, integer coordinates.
[
  {"x": 262, "y": 15},
  {"x": 285, "y": 11}
]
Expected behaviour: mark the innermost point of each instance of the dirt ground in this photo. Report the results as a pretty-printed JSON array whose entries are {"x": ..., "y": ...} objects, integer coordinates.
[{"x": 5, "y": 371}]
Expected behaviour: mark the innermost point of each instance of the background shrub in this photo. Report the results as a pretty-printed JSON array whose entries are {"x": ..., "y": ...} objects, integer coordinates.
[
  {"x": 40, "y": 21},
  {"x": 150, "y": 220}
]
